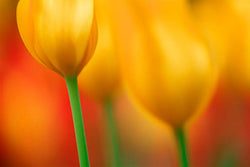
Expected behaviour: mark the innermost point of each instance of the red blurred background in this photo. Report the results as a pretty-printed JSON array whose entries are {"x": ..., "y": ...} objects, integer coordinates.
[{"x": 36, "y": 128}]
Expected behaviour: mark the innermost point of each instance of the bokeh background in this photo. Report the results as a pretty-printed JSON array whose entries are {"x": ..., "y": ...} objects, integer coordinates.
[{"x": 36, "y": 128}]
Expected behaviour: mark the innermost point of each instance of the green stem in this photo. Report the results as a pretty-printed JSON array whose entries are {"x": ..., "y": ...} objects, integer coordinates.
[
  {"x": 180, "y": 136},
  {"x": 78, "y": 121},
  {"x": 112, "y": 132}
]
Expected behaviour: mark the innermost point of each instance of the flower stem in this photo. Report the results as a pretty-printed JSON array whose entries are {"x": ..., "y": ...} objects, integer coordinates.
[
  {"x": 112, "y": 132},
  {"x": 180, "y": 136},
  {"x": 78, "y": 121}
]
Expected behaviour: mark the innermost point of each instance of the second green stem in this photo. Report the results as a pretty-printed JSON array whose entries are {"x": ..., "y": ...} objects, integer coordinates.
[
  {"x": 181, "y": 140},
  {"x": 113, "y": 132}
]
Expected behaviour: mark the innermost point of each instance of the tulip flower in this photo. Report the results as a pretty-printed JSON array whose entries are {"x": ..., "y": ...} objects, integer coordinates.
[
  {"x": 227, "y": 38},
  {"x": 100, "y": 78},
  {"x": 62, "y": 36},
  {"x": 238, "y": 69},
  {"x": 166, "y": 64}
]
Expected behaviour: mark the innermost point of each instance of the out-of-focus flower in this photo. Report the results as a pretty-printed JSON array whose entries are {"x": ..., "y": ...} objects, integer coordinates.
[
  {"x": 100, "y": 78},
  {"x": 225, "y": 24},
  {"x": 165, "y": 63},
  {"x": 61, "y": 35},
  {"x": 239, "y": 62}
]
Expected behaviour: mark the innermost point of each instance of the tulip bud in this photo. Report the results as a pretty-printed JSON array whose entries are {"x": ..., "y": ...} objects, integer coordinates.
[
  {"x": 61, "y": 35},
  {"x": 100, "y": 77},
  {"x": 165, "y": 63}
]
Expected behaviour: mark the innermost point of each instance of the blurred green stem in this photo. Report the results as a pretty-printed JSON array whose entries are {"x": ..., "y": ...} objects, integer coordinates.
[
  {"x": 181, "y": 140},
  {"x": 78, "y": 121},
  {"x": 113, "y": 132}
]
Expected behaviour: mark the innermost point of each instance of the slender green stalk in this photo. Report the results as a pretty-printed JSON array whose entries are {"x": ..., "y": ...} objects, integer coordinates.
[
  {"x": 78, "y": 121},
  {"x": 112, "y": 132},
  {"x": 180, "y": 136}
]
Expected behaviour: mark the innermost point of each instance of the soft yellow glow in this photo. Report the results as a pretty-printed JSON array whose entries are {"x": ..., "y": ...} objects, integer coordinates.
[
  {"x": 60, "y": 34},
  {"x": 167, "y": 67},
  {"x": 226, "y": 25},
  {"x": 239, "y": 65}
]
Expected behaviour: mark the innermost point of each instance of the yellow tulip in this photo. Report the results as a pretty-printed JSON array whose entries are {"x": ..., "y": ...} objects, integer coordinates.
[
  {"x": 166, "y": 65},
  {"x": 239, "y": 62},
  {"x": 61, "y": 35},
  {"x": 225, "y": 24},
  {"x": 100, "y": 78}
]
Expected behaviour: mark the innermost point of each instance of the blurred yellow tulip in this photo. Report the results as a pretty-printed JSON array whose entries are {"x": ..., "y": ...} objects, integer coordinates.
[
  {"x": 166, "y": 65},
  {"x": 226, "y": 24},
  {"x": 239, "y": 63},
  {"x": 100, "y": 78},
  {"x": 61, "y": 35}
]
